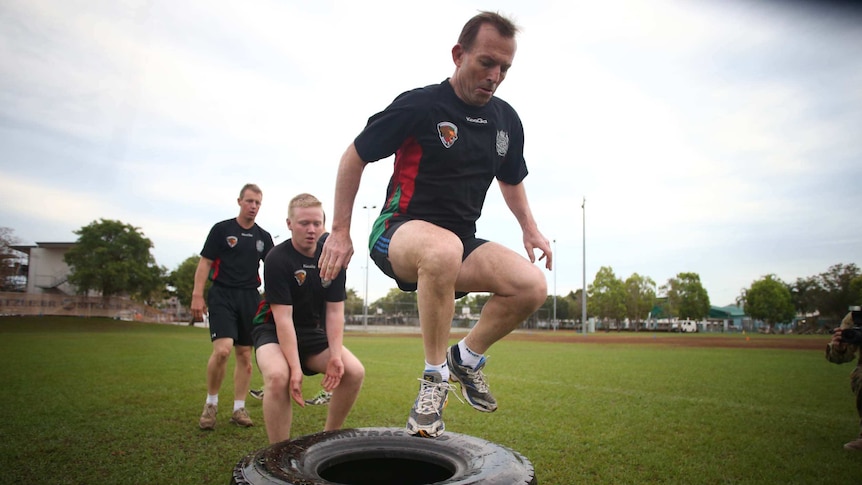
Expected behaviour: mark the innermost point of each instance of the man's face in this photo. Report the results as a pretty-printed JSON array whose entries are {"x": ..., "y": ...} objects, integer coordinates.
[
  {"x": 306, "y": 226},
  {"x": 480, "y": 71},
  {"x": 249, "y": 205}
]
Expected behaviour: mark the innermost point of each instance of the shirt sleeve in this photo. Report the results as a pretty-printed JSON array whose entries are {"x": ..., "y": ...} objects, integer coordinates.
[
  {"x": 212, "y": 245},
  {"x": 387, "y": 130},
  {"x": 276, "y": 275}
]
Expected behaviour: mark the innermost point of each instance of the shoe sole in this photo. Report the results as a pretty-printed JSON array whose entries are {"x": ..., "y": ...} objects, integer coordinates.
[{"x": 240, "y": 424}]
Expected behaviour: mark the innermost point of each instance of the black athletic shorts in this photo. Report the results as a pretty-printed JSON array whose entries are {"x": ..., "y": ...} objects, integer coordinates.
[
  {"x": 311, "y": 342},
  {"x": 231, "y": 311},
  {"x": 380, "y": 255}
]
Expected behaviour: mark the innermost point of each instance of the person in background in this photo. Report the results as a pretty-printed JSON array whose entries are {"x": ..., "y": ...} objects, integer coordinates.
[
  {"x": 231, "y": 258},
  {"x": 840, "y": 352}
]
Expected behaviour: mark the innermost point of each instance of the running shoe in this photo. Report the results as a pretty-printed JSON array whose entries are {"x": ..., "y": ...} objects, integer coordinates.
[
  {"x": 320, "y": 398},
  {"x": 472, "y": 382},
  {"x": 426, "y": 417},
  {"x": 256, "y": 393},
  {"x": 208, "y": 417}
]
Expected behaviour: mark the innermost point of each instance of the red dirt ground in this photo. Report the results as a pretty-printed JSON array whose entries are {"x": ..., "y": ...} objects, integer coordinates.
[{"x": 733, "y": 340}]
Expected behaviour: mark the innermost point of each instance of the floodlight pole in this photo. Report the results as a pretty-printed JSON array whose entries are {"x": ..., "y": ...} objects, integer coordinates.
[
  {"x": 584, "y": 276},
  {"x": 368, "y": 210}
]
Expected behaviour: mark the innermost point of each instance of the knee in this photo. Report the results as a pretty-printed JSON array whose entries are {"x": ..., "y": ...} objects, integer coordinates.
[
  {"x": 441, "y": 259},
  {"x": 535, "y": 290},
  {"x": 276, "y": 383},
  {"x": 355, "y": 374},
  {"x": 221, "y": 354}
]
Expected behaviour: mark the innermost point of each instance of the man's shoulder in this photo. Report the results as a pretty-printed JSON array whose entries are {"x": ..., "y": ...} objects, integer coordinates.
[{"x": 422, "y": 94}]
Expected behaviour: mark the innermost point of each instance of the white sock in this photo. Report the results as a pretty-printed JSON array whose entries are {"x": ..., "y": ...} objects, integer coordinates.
[
  {"x": 443, "y": 369},
  {"x": 212, "y": 399},
  {"x": 238, "y": 405},
  {"x": 468, "y": 357}
]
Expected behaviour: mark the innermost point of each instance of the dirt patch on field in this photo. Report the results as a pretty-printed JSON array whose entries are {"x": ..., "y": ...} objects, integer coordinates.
[{"x": 734, "y": 340}]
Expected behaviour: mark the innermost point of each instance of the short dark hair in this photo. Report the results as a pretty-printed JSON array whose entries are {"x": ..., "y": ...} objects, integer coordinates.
[
  {"x": 504, "y": 26},
  {"x": 254, "y": 188}
]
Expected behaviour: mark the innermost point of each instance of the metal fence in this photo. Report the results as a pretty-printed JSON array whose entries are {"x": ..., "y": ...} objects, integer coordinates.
[{"x": 78, "y": 306}]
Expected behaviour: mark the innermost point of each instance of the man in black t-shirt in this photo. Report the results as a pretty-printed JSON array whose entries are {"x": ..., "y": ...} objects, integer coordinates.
[
  {"x": 299, "y": 327},
  {"x": 450, "y": 141},
  {"x": 231, "y": 259}
]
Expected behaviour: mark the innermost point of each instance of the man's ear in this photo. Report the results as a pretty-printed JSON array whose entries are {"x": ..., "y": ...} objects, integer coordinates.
[{"x": 457, "y": 54}]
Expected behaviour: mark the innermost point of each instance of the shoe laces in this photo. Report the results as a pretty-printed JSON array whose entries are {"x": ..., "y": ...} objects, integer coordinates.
[
  {"x": 477, "y": 377},
  {"x": 432, "y": 395}
]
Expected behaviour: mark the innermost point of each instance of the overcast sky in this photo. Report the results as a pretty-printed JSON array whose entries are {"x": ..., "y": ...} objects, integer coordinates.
[{"x": 722, "y": 138}]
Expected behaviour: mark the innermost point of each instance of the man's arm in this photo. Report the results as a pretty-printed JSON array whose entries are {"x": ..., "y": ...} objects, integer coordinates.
[
  {"x": 338, "y": 248},
  {"x": 283, "y": 316},
  {"x": 201, "y": 274},
  {"x": 335, "y": 337},
  {"x": 516, "y": 199}
]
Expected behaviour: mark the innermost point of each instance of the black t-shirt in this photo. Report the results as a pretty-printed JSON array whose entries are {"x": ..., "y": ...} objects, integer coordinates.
[
  {"x": 236, "y": 253},
  {"x": 446, "y": 155},
  {"x": 291, "y": 278}
]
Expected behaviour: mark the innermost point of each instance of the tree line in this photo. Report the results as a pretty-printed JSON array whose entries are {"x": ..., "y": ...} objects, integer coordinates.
[{"x": 113, "y": 258}]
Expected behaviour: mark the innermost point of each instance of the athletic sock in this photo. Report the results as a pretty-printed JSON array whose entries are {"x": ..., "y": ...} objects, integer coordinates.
[
  {"x": 238, "y": 405},
  {"x": 212, "y": 399},
  {"x": 443, "y": 369},
  {"x": 468, "y": 357}
]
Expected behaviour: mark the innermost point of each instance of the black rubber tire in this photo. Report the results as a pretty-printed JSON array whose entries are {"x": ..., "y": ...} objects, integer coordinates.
[{"x": 384, "y": 456}]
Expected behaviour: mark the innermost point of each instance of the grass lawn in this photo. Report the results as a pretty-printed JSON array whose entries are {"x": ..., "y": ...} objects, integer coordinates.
[{"x": 103, "y": 401}]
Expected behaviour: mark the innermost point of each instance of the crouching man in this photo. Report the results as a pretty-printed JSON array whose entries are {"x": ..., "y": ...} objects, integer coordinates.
[{"x": 299, "y": 327}]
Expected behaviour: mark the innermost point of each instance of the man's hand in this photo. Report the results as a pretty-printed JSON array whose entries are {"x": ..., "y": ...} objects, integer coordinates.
[
  {"x": 535, "y": 240},
  {"x": 336, "y": 254},
  {"x": 296, "y": 386},
  {"x": 334, "y": 372},
  {"x": 198, "y": 308}
]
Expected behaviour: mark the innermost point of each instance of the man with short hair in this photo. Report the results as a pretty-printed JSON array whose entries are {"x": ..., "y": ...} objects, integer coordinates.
[
  {"x": 299, "y": 328},
  {"x": 231, "y": 259},
  {"x": 450, "y": 141}
]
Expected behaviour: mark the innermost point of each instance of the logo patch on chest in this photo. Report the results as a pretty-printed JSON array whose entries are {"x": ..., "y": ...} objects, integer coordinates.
[
  {"x": 300, "y": 275},
  {"x": 232, "y": 240},
  {"x": 448, "y": 133}
]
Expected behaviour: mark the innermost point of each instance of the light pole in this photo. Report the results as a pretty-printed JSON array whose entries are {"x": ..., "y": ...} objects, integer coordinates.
[
  {"x": 554, "y": 321},
  {"x": 584, "y": 276},
  {"x": 368, "y": 210}
]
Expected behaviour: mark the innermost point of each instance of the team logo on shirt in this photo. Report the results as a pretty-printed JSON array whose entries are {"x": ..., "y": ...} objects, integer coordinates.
[
  {"x": 448, "y": 133},
  {"x": 232, "y": 240},
  {"x": 502, "y": 143},
  {"x": 259, "y": 246},
  {"x": 300, "y": 276}
]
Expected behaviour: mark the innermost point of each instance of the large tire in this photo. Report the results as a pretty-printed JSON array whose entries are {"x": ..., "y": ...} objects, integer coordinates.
[{"x": 383, "y": 456}]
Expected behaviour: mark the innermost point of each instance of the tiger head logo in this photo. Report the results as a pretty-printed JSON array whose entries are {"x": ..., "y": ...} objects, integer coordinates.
[{"x": 448, "y": 133}]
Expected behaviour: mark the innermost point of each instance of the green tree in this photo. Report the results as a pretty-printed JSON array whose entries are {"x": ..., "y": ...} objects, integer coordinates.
[
  {"x": 355, "y": 304},
  {"x": 856, "y": 290},
  {"x": 805, "y": 294},
  {"x": 837, "y": 295},
  {"x": 769, "y": 299},
  {"x": 182, "y": 280},
  {"x": 606, "y": 297},
  {"x": 114, "y": 258},
  {"x": 640, "y": 297},
  {"x": 398, "y": 302},
  {"x": 686, "y": 297}
]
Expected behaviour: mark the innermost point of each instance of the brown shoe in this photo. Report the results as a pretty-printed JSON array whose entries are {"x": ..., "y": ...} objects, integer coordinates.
[
  {"x": 240, "y": 418},
  {"x": 208, "y": 417},
  {"x": 855, "y": 445}
]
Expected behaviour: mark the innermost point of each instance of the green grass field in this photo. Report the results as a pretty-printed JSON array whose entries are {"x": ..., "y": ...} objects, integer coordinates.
[{"x": 91, "y": 401}]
